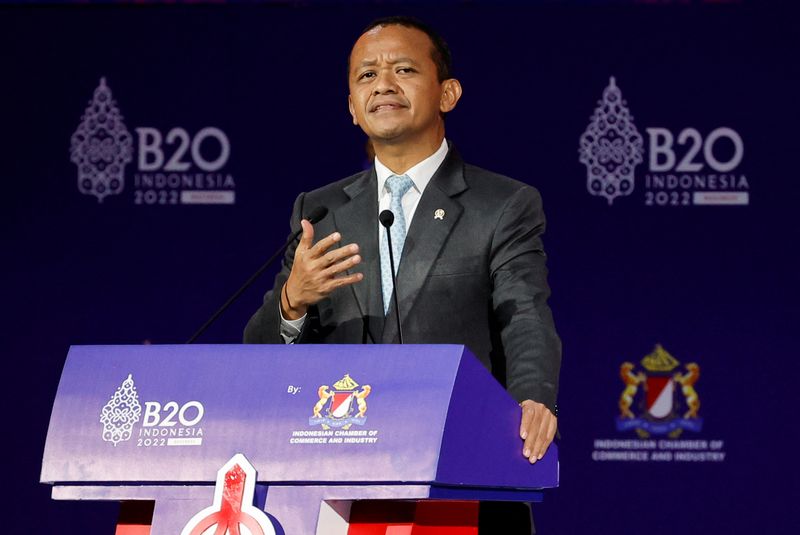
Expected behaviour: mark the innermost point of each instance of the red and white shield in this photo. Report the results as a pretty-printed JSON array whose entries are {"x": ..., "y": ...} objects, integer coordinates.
[
  {"x": 340, "y": 404},
  {"x": 659, "y": 395}
]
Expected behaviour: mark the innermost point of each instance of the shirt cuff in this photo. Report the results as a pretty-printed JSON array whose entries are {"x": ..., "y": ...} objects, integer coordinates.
[{"x": 290, "y": 329}]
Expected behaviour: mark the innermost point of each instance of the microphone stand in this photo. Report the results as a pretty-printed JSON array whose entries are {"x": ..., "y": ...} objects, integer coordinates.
[{"x": 387, "y": 219}]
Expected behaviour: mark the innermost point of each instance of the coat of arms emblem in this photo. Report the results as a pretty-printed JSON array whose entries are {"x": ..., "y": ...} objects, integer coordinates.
[
  {"x": 341, "y": 406},
  {"x": 650, "y": 403}
]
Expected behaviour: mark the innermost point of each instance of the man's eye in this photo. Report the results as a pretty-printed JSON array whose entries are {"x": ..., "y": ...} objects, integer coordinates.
[
  {"x": 405, "y": 70},
  {"x": 368, "y": 74}
]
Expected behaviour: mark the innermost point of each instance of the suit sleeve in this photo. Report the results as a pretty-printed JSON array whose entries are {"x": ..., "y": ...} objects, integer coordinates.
[
  {"x": 264, "y": 326},
  {"x": 519, "y": 300}
]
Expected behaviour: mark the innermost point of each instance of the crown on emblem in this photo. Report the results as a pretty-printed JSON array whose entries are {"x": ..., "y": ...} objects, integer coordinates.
[
  {"x": 345, "y": 383},
  {"x": 659, "y": 360}
]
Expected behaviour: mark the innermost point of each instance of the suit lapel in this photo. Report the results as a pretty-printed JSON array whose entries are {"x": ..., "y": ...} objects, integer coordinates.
[
  {"x": 357, "y": 220},
  {"x": 426, "y": 237}
]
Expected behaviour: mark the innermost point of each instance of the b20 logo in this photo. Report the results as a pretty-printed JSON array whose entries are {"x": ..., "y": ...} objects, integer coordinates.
[
  {"x": 188, "y": 414},
  {"x": 153, "y": 157},
  {"x": 663, "y": 155}
]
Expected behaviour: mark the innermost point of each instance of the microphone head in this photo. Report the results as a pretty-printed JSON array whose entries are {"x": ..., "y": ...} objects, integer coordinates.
[
  {"x": 317, "y": 214},
  {"x": 386, "y": 218}
]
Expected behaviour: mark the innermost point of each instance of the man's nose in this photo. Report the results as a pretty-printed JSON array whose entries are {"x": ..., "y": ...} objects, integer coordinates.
[{"x": 386, "y": 82}]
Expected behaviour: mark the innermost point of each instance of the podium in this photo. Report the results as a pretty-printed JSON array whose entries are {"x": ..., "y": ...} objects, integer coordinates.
[{"x": 324, "y": 426}]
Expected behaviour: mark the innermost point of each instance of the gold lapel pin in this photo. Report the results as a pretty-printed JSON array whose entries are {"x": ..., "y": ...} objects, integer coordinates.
[{"x": 438, "y": 214}]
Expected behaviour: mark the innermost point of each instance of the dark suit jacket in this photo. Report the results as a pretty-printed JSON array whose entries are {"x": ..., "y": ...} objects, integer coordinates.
[{"x": 475, "y": 277}]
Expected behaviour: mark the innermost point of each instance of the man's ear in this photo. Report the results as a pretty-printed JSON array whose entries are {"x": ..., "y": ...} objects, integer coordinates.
[
  {"x": 352, "y": 110},
  {"x": 451, "y": 92}
]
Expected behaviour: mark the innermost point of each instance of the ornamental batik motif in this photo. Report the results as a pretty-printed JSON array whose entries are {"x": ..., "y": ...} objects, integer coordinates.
[
  {"x": 101, "y": 146},
  {"x": 611, "y": 147},
  {"x": 121, "y": 413}
]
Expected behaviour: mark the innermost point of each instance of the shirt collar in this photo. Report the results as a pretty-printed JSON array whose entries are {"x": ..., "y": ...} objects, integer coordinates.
[{"x": 420, "y": 174}]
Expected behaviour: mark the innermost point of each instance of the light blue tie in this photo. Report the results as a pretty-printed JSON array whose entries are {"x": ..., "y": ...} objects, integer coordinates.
[{"x": 398, "y": 186}]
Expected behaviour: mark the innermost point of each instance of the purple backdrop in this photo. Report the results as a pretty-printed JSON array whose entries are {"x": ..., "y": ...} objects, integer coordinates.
[{"x": 249, "y": 103}]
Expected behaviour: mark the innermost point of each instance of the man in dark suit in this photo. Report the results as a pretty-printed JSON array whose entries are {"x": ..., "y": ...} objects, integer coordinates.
[{"x": 472, "y": 268}]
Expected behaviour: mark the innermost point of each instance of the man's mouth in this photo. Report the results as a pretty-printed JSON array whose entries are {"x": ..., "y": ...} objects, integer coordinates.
[{"x": 386, "y": 107}]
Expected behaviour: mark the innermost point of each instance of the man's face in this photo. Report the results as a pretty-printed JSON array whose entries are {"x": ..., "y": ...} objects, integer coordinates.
[{"x": 395, "y": 94}]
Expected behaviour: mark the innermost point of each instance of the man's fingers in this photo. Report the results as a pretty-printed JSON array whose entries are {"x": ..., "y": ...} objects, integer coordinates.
[
  {"x": 338, "y": 282},
  {"x": 552, "y": 428},
  {"x": 537, "y": 429},
  {"x": 307, "y": 239},
  {"x": 527, "y": 416},
  {"x": 324, "y": 244},
  {"x": 318, "y": 267},
  {"x": 533, "y": 434},
  {"x": 542, "y": 440},
  {"x": 528, "y": 425},
  {"x": 342, "y": 262},
  {"x": 337, "y": 255}
]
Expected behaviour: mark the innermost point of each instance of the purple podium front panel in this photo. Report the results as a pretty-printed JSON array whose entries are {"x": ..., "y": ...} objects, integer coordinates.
[
  {"x": 377, "y": 416},
  {"x": 199, "y": 405}
]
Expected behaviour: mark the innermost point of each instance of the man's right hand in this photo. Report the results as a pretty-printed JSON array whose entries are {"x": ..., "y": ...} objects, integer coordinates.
[{"x": 317, "y": 272}]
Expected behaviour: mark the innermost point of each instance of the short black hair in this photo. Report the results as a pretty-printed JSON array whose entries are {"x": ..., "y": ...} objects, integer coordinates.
[{"x": 440, "y": 53}]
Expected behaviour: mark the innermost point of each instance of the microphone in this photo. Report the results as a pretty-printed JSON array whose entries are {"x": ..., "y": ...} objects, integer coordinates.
[
  {"x": 387, "y": 219},
  {"x": 314, "y": 216}
]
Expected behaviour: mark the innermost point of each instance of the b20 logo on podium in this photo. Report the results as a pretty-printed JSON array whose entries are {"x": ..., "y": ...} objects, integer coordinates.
[{"x": 168, "y": 424}]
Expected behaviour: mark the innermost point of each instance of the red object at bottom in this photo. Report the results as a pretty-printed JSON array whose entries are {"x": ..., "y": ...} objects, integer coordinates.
[
  {"x": 135, "y": 518},
  {"x": 378, "y": 517},
  {"x": 414, "y": 518},
  {"x": 132, "y": 529}
]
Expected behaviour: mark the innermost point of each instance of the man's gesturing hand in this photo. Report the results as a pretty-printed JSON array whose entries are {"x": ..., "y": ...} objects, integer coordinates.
[
  {"x": 537, "y": 429},
  {"x": 317, "y": 272}
]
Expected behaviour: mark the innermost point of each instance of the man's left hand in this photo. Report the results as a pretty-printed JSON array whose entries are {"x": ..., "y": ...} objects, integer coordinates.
[{"x": 537, "y": 429}]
